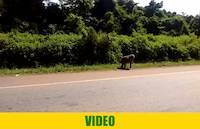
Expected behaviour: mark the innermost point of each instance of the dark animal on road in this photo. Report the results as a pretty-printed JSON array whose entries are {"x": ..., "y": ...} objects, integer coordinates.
[{"x": 127, "y": 59}]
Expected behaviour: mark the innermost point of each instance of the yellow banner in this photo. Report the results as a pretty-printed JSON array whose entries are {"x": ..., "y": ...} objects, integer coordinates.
[{"x": 99, "y": 120}]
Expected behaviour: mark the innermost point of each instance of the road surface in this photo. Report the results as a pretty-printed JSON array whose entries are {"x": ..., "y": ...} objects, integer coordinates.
[{"x": 171, "y": 89}]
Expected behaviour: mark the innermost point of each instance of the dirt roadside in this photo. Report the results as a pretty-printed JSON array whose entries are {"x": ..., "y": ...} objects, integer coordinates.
[{"x": 65, "y": 77}]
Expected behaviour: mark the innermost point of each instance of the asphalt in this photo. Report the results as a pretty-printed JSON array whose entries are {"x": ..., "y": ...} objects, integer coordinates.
[{"x": 174, "y": 89}]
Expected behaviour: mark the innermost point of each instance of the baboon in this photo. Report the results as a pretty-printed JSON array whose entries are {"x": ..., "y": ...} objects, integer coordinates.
[{"x": 127, "y": 59}]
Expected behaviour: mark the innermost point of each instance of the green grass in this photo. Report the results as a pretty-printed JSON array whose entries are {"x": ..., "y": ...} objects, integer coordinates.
[{"x": 100, "y": 67}]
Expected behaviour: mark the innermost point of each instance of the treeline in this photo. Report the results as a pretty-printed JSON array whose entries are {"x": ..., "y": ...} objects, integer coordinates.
[
  {"x": 41, "y": 33},
  {"x": 33, "y": 50},
  {"x": 75, "y": 16}
]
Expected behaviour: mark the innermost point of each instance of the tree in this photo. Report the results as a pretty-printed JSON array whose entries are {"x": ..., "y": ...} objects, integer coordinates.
[
  {"x": 103, "y": 6},
  {"x": 24, "y": 9},
  {"x": 1, "y": 3},
  {"x": 130, "y": 5},
  {"x": 1, "y": 7},
  {"x": 21, "y": 14},
  {"x": 79, "y": 7},
  {"x": 175, "y": 26},
  {"x": 153, "y": 8},
  {"x": 53, "y": 14},
  {"x": 74, "y": 24},
  {"x": 75, "y": 16},
  {"x": 110, "y": 23},
  {"x": 88, "y": 51},
  {"x": 128, "y": 25},
  {"x": 152, "y": 25},
  {"x": 195, "y": 25}
]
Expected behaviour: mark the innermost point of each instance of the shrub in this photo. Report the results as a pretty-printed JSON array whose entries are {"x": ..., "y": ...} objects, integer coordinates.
[
  {"x": 107, "y": 50},
  {"x": 138, "y": 45},
  {"x": 194, "y": 50},
  {"x": 31, "y": 50}
]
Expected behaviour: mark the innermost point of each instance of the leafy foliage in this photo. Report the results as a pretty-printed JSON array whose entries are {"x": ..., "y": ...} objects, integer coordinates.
[
  {"x": 74, "y": 16},
  {"x": 31, "y": 50},
  {"x": 39, "y": 32}
]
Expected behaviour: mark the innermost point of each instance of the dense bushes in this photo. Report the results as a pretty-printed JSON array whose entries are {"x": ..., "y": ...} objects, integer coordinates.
[
  {"x": 160, "y": 48},
  {"x": 27, "y": 50}
]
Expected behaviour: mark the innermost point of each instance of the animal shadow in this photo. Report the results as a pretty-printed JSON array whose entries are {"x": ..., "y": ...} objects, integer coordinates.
[{"x": 120, "y": 68}]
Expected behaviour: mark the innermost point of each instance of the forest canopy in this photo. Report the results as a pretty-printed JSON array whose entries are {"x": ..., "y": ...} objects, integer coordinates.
[{"x": 75, "y": 16}]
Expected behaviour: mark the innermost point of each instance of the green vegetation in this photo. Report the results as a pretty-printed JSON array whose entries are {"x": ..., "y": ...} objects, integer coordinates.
[
  {"x": 30, "y": 50},
  {"x": 75, "y": 16},
  {"x": 41, "y": 34}
]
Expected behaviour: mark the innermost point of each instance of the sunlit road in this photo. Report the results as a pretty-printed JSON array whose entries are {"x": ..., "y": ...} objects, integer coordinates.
[{"x": 144, "y": 90}]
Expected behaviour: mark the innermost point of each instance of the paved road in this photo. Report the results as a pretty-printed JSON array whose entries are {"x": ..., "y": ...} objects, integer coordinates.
[{"x": 142, "y": 90}]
